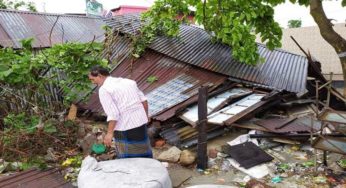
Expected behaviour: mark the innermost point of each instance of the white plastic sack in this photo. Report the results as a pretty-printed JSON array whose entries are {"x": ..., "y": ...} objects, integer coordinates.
[
  {"x": 123, "y": 173},
  {"x": 244, "y": 138}
]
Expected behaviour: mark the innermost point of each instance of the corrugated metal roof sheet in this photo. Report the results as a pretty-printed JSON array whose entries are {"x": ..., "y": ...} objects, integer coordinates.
[
  {"x": 282, "y": 126},
  {"x": 281, "y": 70},
  {"x": 333, "y": 116},
  {"x": 18, "y": 25},
  {"x": 169, "y": 73},
  {"x": 247, "y": 154},
  {"x": 118, "y": 50},
  {"x": 214, "y": 103},
  {"x": 171, "y": 93},
  {"x": 232, "y": 111},
  {"x": 4, "y": 38},
  {"x": 35, "y": 179},
  {"x": 186, "y": 136},
  {"x": 328, "y": 143}
]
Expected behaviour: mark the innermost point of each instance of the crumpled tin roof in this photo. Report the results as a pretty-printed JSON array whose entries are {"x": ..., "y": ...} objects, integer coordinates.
[
  {"x": 35, "y": 178},
  {"x": 278, "y": 125},
  {"x": 17, "y": 25},
  {"x": 237, "y": 110},
  {"x": 214, "y": 104},
  {"x": 176, "y": 82},
  {"x": 282, "y": 70}
]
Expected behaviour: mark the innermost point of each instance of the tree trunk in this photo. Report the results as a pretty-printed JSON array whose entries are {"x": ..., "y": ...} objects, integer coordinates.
[{"x": 328, "y": 34}]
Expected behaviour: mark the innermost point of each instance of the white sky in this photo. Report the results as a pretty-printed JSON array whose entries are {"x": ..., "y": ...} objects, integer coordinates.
[{"x": 283, "y": 13}]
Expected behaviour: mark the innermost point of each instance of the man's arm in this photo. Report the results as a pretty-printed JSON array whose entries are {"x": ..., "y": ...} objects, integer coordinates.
[
  {"x": 146, "y": 108},
  {"x": 145, "y": 105},
  {"x": 112, "y": 112},
  {"x": 110, "y": 133},
  {"x": 144, "y": 101}
]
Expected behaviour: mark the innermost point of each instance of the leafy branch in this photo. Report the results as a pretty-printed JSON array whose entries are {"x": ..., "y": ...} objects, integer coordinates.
[
  {"x": 64, "y": 67},
  {"x": 234, "y": 23}
]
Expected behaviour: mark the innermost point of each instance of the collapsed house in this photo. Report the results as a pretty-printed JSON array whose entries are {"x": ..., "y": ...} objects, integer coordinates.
[{"x": 277, "y": 96}]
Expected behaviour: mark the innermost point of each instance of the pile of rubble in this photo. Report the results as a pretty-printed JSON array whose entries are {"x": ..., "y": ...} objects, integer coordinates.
[
  {"x": 243, "y": 161},
  {"x": 286, "y": 143},
  {"x": 289, "y": 141}
]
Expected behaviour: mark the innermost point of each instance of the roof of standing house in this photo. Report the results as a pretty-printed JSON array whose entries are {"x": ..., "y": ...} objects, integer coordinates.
[
  {"x": 311, "y": 40},
  {"x": 281, "y": 71},
  {"x": 125, "y": 9},
  {"x": 17, "y": 25}
]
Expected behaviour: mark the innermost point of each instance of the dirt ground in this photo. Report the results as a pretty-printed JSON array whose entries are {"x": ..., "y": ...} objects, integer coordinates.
[{"x": 291, "y": 168}]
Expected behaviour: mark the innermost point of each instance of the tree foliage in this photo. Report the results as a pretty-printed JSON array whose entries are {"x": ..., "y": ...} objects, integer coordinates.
[
  {"x": 15, "y": 5},
  {"x": 232, "y": 22},
  {"x": 27, "y": 78},
  {"x": 294, "y": 23}
]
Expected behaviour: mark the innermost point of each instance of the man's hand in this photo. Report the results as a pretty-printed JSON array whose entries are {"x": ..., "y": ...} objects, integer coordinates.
[{"x": 107, "y": 140}]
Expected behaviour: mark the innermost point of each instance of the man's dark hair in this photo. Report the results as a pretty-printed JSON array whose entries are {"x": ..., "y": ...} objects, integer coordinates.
[{"x": 98, "y": 70}]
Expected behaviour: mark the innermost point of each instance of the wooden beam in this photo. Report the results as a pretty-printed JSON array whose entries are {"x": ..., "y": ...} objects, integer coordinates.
[{"x": 202, "y": 159}]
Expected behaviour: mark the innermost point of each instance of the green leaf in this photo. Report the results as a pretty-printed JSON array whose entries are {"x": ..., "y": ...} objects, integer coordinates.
[
  {"x": 27, "y": 43},
  {"x": 151, "y": 79},
  {"x": 3, "y": 68},
  {"x": 5, "y": 73},
  {"x": 49, "y": 128}
]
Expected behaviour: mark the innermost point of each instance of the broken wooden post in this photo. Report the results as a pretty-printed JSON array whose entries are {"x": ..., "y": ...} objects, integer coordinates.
[
  {"x": 202, "y": 160},
  {"x": 329, "y": 88},
  {"x": 72, "y": 114},
  {"x": 317, "y": 113}
]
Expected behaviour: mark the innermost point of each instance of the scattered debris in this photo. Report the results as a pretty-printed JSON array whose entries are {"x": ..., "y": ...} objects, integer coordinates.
[
  {"x": 248, "y": 155},
  {"x": 98, "y": 148},
  {"x": 258, "y": 171},
  {"x": 256, "y": 184},
  {"x": 187, "y": 158},
  {"x": 51, "y": 155},
  {"x": 87, "y": 142},
  {"x": 276, "y": 179},
  {"x": 159, "y": 143},
  {"x": 72, "y": 114},
  {"x": 171, "y": 155},
  {"x": 212, "y": 153},
  {"x": 342, "y": 163}
]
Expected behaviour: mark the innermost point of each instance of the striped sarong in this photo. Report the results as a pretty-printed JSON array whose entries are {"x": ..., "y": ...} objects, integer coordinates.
[{"x": 133, "y": 143}]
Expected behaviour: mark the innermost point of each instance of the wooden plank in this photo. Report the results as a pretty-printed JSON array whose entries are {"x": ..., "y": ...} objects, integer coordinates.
[
  {"x": 245, "y": 112},
  {"x": 286, "y": 141},
  {"x": 72, "y": 114},
  {"x": 250, "y": 126}
]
